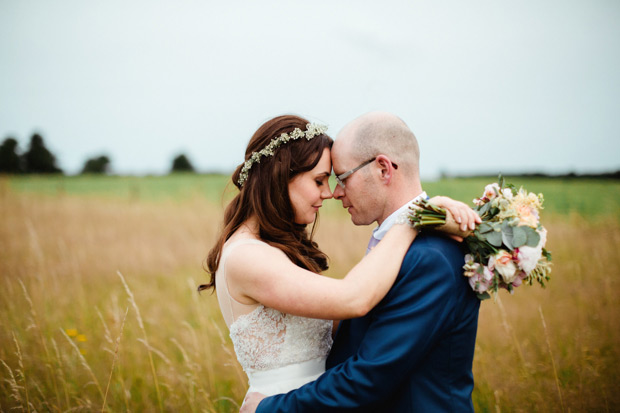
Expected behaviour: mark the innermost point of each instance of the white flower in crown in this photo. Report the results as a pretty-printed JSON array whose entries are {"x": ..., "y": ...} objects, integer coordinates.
[{"x": 312, "y": 130}]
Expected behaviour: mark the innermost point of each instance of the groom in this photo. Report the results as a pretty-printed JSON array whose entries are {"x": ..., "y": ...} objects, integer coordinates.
[{"x": 414, "y": 350}]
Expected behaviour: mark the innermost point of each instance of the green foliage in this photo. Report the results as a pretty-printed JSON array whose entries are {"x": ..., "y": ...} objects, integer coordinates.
[
  {"x": 181, "y": 164},
  {"x": 177, "y": 187},
  {"x": 10, "y": 162},
  {"x": 38, "y": 158},
  {"x": 97, "y": 165},
  {"x": 590, "y": 199}
]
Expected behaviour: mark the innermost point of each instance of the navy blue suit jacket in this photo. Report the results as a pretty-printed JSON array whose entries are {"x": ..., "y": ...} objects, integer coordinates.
[{"x": 412, "y": 352}]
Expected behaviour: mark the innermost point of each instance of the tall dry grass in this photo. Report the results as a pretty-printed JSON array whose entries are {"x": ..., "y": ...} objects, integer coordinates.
[
  {"x": 74, "y": 333},
  {"x": 556, "y": 349},
  {"x": 98, "y": 312}
]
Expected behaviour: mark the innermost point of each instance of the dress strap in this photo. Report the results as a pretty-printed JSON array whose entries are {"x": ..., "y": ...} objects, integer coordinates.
[{"x": 226, "y": 301}]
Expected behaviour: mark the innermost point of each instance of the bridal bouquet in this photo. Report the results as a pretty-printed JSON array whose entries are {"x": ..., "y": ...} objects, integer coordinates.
[{"x": 508, "y": 248}]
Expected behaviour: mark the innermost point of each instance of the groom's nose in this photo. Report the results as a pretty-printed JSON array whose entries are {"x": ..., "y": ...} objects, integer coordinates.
[{"x": 338, "y": 192}]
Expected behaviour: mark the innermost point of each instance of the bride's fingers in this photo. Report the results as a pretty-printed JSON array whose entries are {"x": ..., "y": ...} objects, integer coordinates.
[{"x": 473, "y": 220}]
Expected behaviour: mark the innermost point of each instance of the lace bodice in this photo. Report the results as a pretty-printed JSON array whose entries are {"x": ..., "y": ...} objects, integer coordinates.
[{"x": 265, "y": 338}]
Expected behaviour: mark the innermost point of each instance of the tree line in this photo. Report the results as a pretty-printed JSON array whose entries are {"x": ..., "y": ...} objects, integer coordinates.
[{"x": 38, "y": 159}]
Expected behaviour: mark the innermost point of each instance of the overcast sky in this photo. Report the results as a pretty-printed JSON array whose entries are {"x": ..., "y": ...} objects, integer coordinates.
[{"x": 486, "y": 85}]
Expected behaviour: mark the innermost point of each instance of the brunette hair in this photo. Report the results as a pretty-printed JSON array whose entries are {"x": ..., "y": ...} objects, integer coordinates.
[{"x": 265, "y": 195}]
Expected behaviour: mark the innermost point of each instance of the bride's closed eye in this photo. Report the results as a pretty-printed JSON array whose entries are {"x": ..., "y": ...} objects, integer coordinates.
[{"x": 322, "y": 180}]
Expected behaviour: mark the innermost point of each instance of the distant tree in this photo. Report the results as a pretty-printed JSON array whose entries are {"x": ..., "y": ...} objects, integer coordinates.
[
  {"x": 182, "y": 164},
  {"x": 10, "y": 162},
  {"x": 98, "y": 165},
  {"x": 38, "y": 158}
]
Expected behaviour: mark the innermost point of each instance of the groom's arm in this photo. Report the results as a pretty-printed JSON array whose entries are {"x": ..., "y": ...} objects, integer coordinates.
[{"x": 407, "y": 323}]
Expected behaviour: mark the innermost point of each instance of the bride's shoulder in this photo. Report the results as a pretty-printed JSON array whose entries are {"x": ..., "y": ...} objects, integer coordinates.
[{"x": 246, "y": 255}]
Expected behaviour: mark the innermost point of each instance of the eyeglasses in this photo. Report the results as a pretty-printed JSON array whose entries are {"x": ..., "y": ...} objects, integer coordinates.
[{"x": 340, "y": 178}]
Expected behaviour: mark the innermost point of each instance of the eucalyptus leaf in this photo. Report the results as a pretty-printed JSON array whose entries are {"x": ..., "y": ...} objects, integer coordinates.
[
  {"x": 507, "y": 239},
  {"x": 519, "y": 237},
  {"x": 533, "y": 237},
  {"x": 507, "y": 234},
  {"x": 484, "y": 227},
  {"x": 485, "y": 208},
  {"x": 506, "y": 227},
  {"x": 495, "y": 238},
  {"x": 497, "y": 226}
]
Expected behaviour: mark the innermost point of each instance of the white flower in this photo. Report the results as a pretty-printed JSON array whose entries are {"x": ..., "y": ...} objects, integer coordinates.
[
  {"x": 507, "y": 193},
  {"x": 470, "y": 266},
  {"x": 491, "y": 191},
  {"x": 487, "y": 275},
  {"x": 505, "y": 266},
  {"x": 529, "y": 256},
  {"x": 543, "y": 238},
  {"x": 481, "y": 282}
]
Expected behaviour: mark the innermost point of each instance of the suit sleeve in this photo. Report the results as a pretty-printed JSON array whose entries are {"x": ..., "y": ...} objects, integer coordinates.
[{"x": 406, "y": 324}]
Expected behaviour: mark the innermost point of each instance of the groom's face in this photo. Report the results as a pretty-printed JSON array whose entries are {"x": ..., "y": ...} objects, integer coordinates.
[{"x": 359, "y": 194}]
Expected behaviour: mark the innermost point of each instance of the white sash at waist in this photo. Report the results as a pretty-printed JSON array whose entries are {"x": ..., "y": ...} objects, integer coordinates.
[{"x": 287, "y": 378}]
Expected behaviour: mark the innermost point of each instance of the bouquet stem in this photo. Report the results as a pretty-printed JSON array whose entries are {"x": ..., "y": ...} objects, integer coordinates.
[{"x": 429, "y": 216}]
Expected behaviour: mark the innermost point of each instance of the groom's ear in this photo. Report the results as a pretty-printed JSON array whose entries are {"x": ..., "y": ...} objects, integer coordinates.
[{"x": 385, "y": 167}]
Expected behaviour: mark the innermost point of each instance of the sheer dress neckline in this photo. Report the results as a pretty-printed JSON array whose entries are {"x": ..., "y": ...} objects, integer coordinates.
[{"x": 265, "y": 338}]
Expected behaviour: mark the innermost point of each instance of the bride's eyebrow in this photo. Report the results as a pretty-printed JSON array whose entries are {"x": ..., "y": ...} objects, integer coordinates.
[{"x": 324, "y": 174}]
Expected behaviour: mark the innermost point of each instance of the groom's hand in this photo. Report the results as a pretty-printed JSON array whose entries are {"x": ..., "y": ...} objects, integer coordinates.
[{"x": 251, "y": 401}]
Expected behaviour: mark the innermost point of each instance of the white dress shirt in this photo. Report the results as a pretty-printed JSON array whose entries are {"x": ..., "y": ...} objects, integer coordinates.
[{"x": 379, "y": 232}]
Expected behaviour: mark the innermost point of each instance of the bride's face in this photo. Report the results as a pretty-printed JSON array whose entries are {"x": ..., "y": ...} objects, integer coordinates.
[{"x": 308, "y": 190}]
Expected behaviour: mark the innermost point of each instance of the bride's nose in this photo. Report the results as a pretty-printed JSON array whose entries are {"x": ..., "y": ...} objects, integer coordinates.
[{"x": 327, "y": 193}]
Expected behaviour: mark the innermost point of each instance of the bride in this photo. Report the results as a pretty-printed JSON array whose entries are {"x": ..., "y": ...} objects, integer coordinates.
[{"x": 265, "y": 266}]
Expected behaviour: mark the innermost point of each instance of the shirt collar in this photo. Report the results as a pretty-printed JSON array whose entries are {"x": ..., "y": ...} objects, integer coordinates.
[{"x": 385, "y": 226}]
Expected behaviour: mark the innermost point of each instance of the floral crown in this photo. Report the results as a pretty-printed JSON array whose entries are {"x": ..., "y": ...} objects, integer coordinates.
[{"x": 312, "y": 130}]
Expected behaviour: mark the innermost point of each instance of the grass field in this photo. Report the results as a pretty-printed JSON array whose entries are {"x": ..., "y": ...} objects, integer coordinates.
[{"x": 98, "y": 309}]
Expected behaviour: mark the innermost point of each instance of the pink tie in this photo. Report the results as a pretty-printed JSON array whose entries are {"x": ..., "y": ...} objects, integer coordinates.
[{"x": 371, "y": 244}]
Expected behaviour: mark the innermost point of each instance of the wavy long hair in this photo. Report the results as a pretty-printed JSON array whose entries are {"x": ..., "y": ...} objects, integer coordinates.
[{"x": 265, "y": 195}]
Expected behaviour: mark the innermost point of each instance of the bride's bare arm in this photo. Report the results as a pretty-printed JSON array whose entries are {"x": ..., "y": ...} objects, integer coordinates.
[{"x": 260, "y": 273}]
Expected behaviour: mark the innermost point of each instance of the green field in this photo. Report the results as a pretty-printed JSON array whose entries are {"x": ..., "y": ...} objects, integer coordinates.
[
  {"x": 98, "y": 308},
  {"x": 590, "y": 198}
]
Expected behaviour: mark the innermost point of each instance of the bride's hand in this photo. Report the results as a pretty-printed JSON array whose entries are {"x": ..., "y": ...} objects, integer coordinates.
[
  {"x": 461, "y": 212},
  {"x": 251, "y": 401}
]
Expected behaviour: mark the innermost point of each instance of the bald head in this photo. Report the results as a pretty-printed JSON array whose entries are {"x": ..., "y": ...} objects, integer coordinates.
[{"x": 378, "y": 133}]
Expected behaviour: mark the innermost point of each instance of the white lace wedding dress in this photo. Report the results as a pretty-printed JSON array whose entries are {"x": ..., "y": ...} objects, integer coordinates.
[{"x": 279, "y": 352}]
